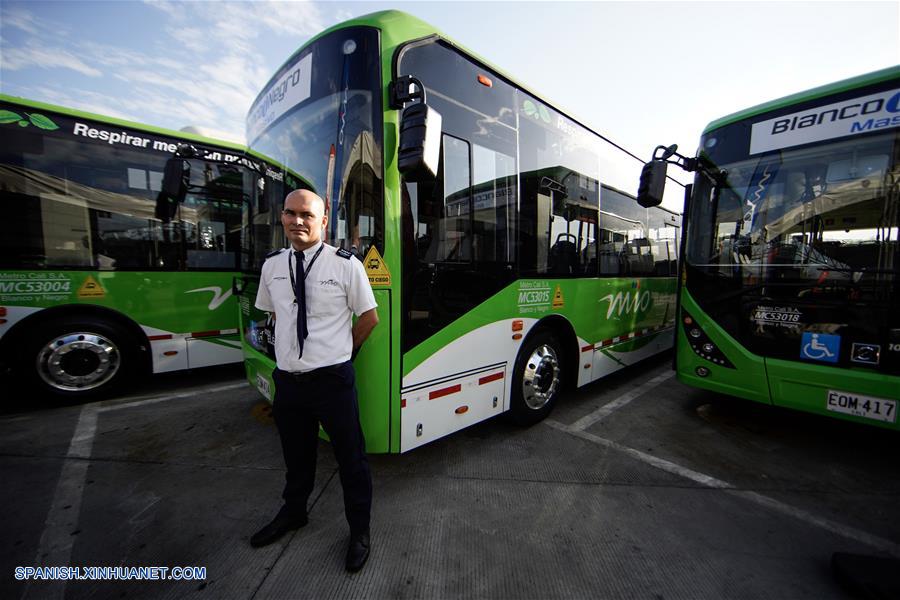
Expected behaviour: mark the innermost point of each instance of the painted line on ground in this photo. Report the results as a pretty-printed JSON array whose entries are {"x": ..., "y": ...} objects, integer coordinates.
[
  {"x": 104, "y": 407},
  {"x": 57, "y": 539},
  {"x": 55, "y": 546},
  {"x": 884, "y": 545},
  {"x": 610, "y": 407}
]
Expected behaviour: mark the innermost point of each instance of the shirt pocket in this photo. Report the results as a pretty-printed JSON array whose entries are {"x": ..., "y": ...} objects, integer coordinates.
[
  {"x": 281, "y": 292},
  {"x": 324, "y": 300}
]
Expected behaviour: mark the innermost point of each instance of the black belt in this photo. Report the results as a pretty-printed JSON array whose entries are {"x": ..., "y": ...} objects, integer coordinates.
[{"x": 313, "y": 373}]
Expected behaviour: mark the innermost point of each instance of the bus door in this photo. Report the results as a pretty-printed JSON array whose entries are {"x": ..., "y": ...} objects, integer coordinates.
[{"x": 463, "y": 253}]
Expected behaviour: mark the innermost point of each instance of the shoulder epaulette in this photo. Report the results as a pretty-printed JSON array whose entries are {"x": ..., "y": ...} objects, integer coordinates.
[
  {"x": 274, "y": 253},
  {"x": 344, "y": 253}
]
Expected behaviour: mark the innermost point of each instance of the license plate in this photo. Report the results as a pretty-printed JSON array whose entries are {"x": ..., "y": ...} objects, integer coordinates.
[
  {"x": 868, "y": 407},
  {"x": 262, "y": 384}
]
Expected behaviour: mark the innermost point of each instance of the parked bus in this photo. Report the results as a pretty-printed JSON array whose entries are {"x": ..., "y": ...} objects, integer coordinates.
[
  {"x": 103, "y": 276},
  {"x": 507, "y": 258},
  {"x": 790, "y": 292}
]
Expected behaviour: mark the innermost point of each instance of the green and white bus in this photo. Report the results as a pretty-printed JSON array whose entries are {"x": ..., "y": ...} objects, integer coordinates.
[
  {"x": 790, "y": 291},
  {"x": 103, "y": 276},
  {"x": 507, "y": 259}
]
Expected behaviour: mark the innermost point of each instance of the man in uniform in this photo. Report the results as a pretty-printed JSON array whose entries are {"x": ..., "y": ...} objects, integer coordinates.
[{"x": 313, "y": 289}]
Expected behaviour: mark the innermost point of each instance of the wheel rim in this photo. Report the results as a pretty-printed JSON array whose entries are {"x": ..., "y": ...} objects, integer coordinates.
[
  {"x": 78, "y": 361},
  {"x": 541, "y": 377}
]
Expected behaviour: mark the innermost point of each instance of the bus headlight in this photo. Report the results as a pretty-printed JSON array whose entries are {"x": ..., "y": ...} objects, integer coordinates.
[{"x": 702, "y": 345}]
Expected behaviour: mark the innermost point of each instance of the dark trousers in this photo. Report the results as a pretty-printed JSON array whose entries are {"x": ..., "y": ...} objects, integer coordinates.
[{"x": 326, "y": 396}]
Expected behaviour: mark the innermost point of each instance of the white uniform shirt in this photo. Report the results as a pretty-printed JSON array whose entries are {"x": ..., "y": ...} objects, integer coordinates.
[{"x": 336, "y": 288}]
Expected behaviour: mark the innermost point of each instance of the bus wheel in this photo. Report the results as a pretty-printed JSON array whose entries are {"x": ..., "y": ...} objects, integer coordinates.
[
  {"x": 537, "y": 379},
  {"x": 76, "y": 358}
]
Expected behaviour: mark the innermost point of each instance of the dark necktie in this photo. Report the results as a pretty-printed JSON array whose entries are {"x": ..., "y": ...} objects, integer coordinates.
[{"x": 300, "y": 294}]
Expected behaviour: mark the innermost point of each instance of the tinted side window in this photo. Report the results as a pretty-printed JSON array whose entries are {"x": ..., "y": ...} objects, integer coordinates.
[
  {"x": 449, "y": 74},
  {"x": 663, "y": 235},
  {"x": 493, "y": 205},
  {"x": 560, "y": 191},
  {"x": 636, "y": 241}
]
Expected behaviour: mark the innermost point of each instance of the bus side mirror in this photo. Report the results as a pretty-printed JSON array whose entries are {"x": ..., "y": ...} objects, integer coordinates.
[
  {"x": 175, "y": 178},
  {"x": 653, "y": 183},
  {"x": 174, "y": 188},
  {"x": 420, "y": 142}
]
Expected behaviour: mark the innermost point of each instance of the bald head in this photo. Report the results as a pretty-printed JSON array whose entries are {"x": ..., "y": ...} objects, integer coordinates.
[
  {"x": 305, "y": 194},
  {"x": 303, "y": 218}
]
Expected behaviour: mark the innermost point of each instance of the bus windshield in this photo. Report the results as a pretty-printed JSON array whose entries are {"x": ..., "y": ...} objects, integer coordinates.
[
  {"x": 320, "y": 118},
  {"x": 827, "y": 214}
]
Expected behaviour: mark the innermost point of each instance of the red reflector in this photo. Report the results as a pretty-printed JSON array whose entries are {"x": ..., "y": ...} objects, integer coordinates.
[
  {"x": 518, "y": 325},
  {"x": 517, "y": 336},
  {"x": 588, "y": 348},
  {"x": 485, "y": 81},
  {"x": 2, "y": 311},
  {"x": 403, "y": 403},
  {"x": 170, "y": 353},
  {"x": 199, "y": 334},
  {"x": 444, "y": 392},
  {"x": 490, "y": 378},
  {"x": 461, "y": 410},
  {"x": 156, "y": 338}
]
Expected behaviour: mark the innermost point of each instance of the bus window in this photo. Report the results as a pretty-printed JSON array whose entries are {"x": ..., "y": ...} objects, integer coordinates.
[
  {"x": 454, "y": 238},
  {"x": 559, "y": 196},
  {"x": 494, "y": 198}
]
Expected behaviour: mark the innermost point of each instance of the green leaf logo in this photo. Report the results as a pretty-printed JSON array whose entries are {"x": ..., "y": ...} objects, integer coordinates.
[
  {"x": 545, "y": 114},
  {"x": 7, "y": 116},
  {"x": 529, "y": 109},
  {"x": 538, "y": 112},
  {"x": 42, "y": 122}
]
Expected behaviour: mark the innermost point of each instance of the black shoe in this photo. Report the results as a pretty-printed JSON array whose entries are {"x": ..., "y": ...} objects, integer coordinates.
[
  {"x": 283, "y": 522},
  {"x": 357, "y": 552}
]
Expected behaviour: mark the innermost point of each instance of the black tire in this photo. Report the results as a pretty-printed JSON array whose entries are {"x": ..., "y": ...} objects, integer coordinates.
[
  {"x": 537, "y": 379},
  {"x": 78, "y": 358}
]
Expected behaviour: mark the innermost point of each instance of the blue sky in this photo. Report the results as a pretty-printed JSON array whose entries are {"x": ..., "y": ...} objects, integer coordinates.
[{"x": 642, "y": 73}]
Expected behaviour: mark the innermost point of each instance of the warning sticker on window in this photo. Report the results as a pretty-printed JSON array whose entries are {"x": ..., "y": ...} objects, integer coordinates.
[{"x": 377, "y": 271}]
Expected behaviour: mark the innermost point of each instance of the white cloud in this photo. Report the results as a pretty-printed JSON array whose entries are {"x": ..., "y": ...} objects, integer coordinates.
[
  {"x": 204, "y": 69},
  {"x": 20, "y": 19},
  {"x": 229, "y": 26},
  {"x": 106, "y": 54},
  {"x": 45, "y": 57},
  {"x": 343, "y": 15},
  {"x": 192, "y": 38},
  {"x": 173, "y": 9},
  {"x": 292, "y": 18}
]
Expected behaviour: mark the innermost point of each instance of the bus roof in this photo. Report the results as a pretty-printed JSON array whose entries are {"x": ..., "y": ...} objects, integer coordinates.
[
  {"x": 123, "y": 123},
  {"x": 817, "y": 92}
]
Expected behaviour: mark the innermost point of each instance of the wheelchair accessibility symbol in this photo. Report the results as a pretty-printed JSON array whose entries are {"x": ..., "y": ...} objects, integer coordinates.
[{"x": 820, "y": 346}]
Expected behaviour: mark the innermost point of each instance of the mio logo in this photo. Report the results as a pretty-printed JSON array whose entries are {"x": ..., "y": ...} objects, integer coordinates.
[
  {"x": 218, "y": 296},
  {"x": 624, "y": 303}
]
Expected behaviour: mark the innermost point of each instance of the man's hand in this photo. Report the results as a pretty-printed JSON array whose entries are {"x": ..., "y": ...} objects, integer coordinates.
[{"x": 363, "y": 327}]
